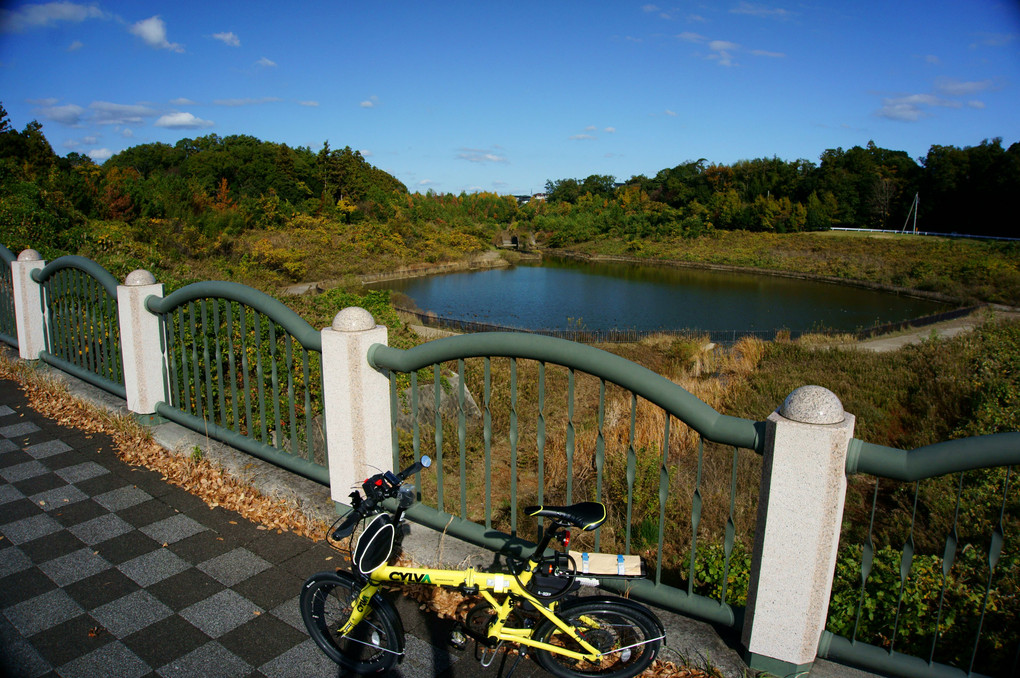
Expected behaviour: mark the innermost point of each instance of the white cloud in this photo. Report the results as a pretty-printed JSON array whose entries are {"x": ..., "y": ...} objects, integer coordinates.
[
  {"x": 480, "y": 155},
  {"x": 582, "y": 137},
  {"x": 100, "y": 154},
  {"x": 182, "y": 101},
  {"x": 723, "y": 51},
  {"x": 106, "y": 113},
  {"x": 765, "y": 53},
  {"x": 957, "y": 88},
  {"x": 370, "y": 102},
  {"x": 590, "y": 128},
  {"x": 68, "y": 114},
  {"x": 912, "y": 107},
  {"x": 760, "y": 10},
  {"x": 48, "y": 14},
  {"x": 426, "y": 182},
  {"x": 692, "y": 37},
  {"x": 365, "y": 153},
  {"x": 127, "y": 133},
  {"x": 609, "y": 130},
  {"x": 48, "y": 101},
  {"x": 182, "y": 121},
  {"x": 650, "y": 8},
  {"x": 75, "y": 46},
  {"x": 153, "y": 32},
  {"x": 670, "y": 113},
  {"x": 932, "y": 59},
  {"x": 265, "y": 63},
  {"x": 230, "y": 38},
  {"x": 976, "y": 104},
  {"x": 312, "y": 104},
  {"x": 246, "y": 102}
]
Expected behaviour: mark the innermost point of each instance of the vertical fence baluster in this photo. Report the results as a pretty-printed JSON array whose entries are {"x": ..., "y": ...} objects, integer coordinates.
[
  {"x": 513, "y": 446},
  {"x": 437, "y": 397},
  {"x": 867, "y": 558},
  {"x": 309, "y": 418},
  {"x": 195, "y": 362},
  {"x": 394, "y": 411},
  {"x": 218, "y": 330},
  {"x": 540, "y": 435},
  {"x": 906, "y": 561},
  {"x": 260, "y": 375},
  {"x": 696, "y": 513},
  {"x": 291, "y": 392},
  {"x": 462, "y": 435},
  {"x": 631, "y": 467},
  {"x": 948, "y": 557},
  {"x": 232, "y": 369},
  {"x": 249, "y": 429},
  {"x": 663, "y": 496},
  {"x": 92, "y": 303},
  {"x": 994, "y": 551},
  {"x": 207, "y": 366},
  {"x": 164, "y": 349},
  {"x": 731, "y": 528},
  {"x": 278, "y": 437},
  {"x": 415, "y": 429},
  {"x": 600, "y": 452},
  {"x": 487, "y": 439},
  {"x": 570, "y": 436},
  {"x": 183, "y": 350}
]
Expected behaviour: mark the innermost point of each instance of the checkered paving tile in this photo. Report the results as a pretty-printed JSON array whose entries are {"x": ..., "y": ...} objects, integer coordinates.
[{"x": 104, "y": 565}]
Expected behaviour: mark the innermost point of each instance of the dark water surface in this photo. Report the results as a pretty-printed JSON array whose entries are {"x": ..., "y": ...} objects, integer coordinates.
[{"x": 603, "y": 296}]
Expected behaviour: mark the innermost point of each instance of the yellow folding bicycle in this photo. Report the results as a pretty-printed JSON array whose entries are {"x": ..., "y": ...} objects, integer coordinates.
[{"x": 359, "y": 628}]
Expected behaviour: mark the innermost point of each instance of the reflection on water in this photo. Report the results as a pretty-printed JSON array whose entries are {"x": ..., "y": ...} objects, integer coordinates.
[{"x": 602, "y": 296}]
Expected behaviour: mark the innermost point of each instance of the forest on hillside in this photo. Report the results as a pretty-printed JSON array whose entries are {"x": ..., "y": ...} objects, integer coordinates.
[{"x": 226, "y": 197}]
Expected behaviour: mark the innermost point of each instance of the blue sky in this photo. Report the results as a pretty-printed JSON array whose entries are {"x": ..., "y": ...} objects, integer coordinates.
[{"x": 464, "y": 96}]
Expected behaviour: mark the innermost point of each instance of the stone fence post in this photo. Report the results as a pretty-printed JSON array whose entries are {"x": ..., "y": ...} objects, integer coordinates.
[
  {"x": 800, "y": 511},
  {"x": 356, "y": 402},
  {"x": 140, "y": 343},
  {"x": 28, "y": 311}
]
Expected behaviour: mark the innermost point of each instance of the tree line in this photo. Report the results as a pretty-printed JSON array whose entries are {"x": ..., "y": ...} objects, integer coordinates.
[{"x": 213, "y": 188}]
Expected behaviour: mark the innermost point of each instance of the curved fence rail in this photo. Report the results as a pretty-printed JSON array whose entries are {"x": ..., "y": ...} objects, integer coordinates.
[
  {"x": 560, "y": 422},
  {"x": 82, "y": 331},
  {"x": 8, "y": 323},
  {"x": 243, "y": 368},
  {"x": 929, "y": 586}
]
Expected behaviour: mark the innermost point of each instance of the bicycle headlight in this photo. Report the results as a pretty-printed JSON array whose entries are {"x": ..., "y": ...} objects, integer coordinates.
[{"x": 406, "y": 496}]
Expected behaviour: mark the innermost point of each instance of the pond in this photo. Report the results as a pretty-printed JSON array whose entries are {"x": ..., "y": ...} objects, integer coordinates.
[{"x": 569, "y": 295}]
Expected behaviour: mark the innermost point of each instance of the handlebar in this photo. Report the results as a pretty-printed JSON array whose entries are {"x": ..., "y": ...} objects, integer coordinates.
[{"x": 377, "y": 488}]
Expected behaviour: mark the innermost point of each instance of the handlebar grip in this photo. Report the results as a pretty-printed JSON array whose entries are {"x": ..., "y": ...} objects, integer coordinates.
[
  {"x": 425, "y": 462},
  {"x": 347, "y": 526}
]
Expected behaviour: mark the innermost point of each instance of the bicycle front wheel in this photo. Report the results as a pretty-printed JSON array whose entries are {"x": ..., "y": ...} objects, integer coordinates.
[
  {"x": 375, "y": 643},
  {"x": 628, "y": 636}
]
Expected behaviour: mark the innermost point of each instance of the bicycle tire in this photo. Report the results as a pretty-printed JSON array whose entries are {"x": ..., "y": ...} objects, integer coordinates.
[
  {"x": 607, "y": 624},
  {"x": 373, "y": 646}
]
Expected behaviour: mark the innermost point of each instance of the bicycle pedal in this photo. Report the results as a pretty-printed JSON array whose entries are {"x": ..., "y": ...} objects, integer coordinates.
[
  {"x": 486, "y": 660},
  {"x": 458, "y": 640}
]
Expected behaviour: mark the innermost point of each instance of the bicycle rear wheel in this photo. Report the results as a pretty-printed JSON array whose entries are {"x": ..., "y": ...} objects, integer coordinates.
[
  {"x": 629, "y": 637},
  {"x": 373, "y": 646}
]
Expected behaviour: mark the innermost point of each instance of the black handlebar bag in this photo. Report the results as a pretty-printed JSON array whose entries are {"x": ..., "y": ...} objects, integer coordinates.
[{"x": 375, "y": 544}]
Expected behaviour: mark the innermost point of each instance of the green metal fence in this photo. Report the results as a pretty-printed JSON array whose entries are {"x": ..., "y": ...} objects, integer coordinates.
[
  {"x": 936, "y": 577},
  {"x": 666, "y": 464},
  {"x": 8, "y": 323},
  {"x": 243, "y": 368},
  {"x": 82, "y": 330}
]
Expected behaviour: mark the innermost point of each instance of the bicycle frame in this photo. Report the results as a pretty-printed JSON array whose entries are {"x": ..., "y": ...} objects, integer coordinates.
[{"x": 487, "y": 584}]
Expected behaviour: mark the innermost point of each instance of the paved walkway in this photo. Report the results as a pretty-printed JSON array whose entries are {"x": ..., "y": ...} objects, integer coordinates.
[{"x": 107, "y": 570}]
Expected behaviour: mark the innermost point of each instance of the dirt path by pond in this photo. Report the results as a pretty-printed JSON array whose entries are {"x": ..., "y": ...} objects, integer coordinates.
[{"x": 944, "y": 330}]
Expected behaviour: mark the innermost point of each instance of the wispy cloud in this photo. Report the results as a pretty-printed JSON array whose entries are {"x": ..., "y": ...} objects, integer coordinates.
[
  {"x": 723, "y": 51},
  {"x": 100, "y": 154},
  {"x": 48, "y": 14},
  {"x": 247, "y": 101},
  {"x": 688, "y": 36},
  {"x": 265, "y": 63},
  {"x": 753, "y": 9},
  {"x": 993, "y": 39},
  {"x": 609, "y": 130},
  {"x": 912, "y": 107},
  {"x": 106, "y": 113},
  {"x": 480, "y": 155},
  {"x": 182, "y": 101},
  {"x": 766, "y": 53},
  {"x": 153, "y": 32},
  {"x": 582, "y": 137},
  {"x": 311, "y": 104},
  {"x": 229, "y": 39},
  {"x": 370, "y": 102},
  {"x": 182, "y": 121},
  {"x": 75, "y": 46},
  {"x": 960, "y": 88},
  {"x": 68, "y": 114}
]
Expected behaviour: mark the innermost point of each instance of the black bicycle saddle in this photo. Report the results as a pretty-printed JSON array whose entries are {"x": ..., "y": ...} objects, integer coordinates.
[{"x": 586, "y": 515}]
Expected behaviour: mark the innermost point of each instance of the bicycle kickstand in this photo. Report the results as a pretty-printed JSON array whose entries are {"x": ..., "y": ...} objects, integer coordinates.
[
  {"x": 513, "y": 667},
  {"x": 489, "y": 655}
]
